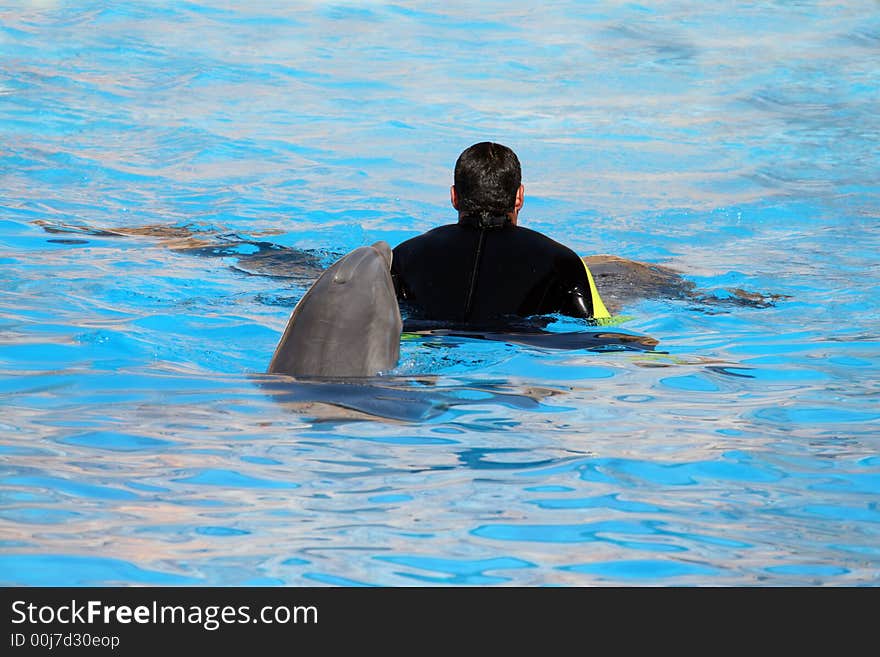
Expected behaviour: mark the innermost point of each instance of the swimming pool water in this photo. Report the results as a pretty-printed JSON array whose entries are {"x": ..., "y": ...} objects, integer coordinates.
[{"x": 174, "y": 173}]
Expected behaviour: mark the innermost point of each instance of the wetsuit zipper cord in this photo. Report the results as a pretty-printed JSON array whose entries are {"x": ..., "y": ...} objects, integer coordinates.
[{"x": 469, "y": 301}]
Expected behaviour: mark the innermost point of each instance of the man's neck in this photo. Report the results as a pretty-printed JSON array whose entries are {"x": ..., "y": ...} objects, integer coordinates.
[{"x": 487, "y": 221}]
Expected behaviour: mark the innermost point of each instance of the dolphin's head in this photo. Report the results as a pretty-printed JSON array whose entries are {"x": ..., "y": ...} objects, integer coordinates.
[{"x": 348, "y": 324}]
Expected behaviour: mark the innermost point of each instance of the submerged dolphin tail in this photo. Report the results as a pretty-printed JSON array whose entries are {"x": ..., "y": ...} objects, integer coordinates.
[{"x": 348, "y": 324}]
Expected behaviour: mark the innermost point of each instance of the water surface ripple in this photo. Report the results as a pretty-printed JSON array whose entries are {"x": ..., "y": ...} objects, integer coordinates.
[{"x": 173, "y": 176}]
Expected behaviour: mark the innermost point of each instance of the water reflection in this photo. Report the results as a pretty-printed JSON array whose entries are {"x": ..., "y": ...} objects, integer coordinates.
[
  {"x": 168, "y": 198},
  {"x": 388, "y": 399}
]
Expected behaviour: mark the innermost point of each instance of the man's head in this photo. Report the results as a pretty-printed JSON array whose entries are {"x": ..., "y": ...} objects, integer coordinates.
[{"x": 488, "y": 183}]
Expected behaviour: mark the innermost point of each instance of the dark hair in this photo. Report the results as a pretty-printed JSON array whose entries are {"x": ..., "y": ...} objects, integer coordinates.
[{"x": 487, "y": 177}]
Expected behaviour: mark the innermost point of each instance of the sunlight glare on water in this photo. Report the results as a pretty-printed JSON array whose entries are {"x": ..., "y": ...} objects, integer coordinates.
[{"x": 173, "y": 175}]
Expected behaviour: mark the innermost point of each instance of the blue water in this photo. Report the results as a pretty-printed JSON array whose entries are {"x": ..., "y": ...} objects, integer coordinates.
[{"x": 149, "y": 153}]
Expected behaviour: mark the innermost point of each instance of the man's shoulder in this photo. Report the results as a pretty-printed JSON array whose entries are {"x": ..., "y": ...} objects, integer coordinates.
[
  {"x": 545, "y": 242},
  {"x": 450, "y": 235},
  {"x": 440, "y": 231},
  {"x": 428, "y": 237}
]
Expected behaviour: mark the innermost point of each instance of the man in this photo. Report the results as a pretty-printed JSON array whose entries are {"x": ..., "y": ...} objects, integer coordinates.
[{"x": 486, "y": 268}]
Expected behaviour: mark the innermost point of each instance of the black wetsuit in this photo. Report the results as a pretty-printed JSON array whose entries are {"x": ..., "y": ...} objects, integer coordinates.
[{"x": 462, "y": 273}]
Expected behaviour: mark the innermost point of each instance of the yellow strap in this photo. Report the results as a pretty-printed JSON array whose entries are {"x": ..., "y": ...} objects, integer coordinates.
[{"x": 599, "y": 309}]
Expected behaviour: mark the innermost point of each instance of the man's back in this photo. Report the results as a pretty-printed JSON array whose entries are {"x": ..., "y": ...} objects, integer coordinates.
[{"x": 462, "y": 273}]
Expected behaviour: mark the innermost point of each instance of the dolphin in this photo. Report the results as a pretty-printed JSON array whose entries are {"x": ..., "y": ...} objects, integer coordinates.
[
  {"x": 348, "y": 324},
  {"x": 622, "y": 282}
]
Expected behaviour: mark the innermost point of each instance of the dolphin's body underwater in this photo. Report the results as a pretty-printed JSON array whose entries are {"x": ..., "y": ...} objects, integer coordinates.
[{"x": 348, "y": 324}]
